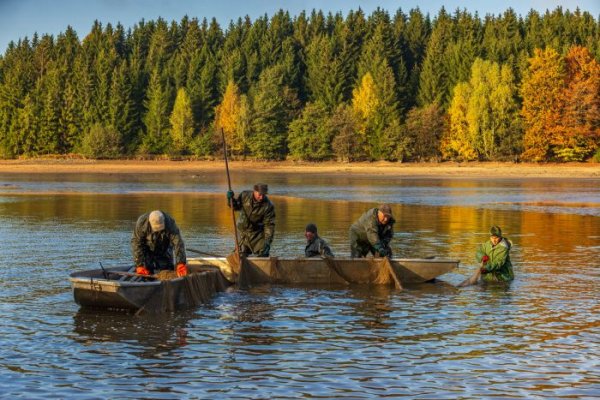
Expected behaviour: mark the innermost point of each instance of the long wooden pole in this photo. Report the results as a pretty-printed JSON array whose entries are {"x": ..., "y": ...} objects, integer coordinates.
[{"x": 237, "y": 246}]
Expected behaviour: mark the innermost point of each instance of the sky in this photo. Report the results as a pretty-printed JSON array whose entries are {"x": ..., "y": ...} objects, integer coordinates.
[{"x": 20, "y": 18}]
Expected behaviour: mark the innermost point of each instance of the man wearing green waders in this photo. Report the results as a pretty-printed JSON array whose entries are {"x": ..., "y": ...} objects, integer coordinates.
[
  {"x": 495, "y": 258},
  {"x": 256, "y": 222},
  {"x": 372, "y": 233}
]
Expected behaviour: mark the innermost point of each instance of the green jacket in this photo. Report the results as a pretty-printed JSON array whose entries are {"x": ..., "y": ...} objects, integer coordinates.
[
  {"x": 151, "y": 248},
  {"x": 256, "y": 221},
  {"x": 499, "y": 268},
  {"x": 367, "y": 234}
]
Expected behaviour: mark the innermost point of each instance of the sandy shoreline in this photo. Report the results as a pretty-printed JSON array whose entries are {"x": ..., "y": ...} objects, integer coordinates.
[{"x": 434, "y": 170}]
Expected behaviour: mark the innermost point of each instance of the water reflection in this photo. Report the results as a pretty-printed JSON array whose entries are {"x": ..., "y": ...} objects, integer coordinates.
[
  {"x": 536, "y": 337},
  {"x": 550, "y": 195},
  {"x": 420, "y": 230}
]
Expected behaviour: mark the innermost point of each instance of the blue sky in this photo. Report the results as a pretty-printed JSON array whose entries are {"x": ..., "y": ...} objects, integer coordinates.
[{"x": 20, "y": 18}]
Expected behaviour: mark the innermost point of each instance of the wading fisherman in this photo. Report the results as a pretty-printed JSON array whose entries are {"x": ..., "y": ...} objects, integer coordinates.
[
  {"x": 155, "y": 238},
  {"x": 372, "y": 233},
  {"x": 256, "y": 222},
  {"x": 495, "y": 258},
  {"x": 315, "y": 246}
]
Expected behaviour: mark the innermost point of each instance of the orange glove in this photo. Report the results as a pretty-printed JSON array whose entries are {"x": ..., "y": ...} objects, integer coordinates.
[
  {"x": 141, "y": 270},
  {"x": 181, "y": 269}
]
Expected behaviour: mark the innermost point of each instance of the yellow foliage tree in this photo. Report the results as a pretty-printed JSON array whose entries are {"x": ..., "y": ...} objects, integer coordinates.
[
  {"x": 227, "y": 117},
  {"x": 182, "y": 123},
  {"x": 455, "y": 142},
  {"x": 365, "y": 101}
]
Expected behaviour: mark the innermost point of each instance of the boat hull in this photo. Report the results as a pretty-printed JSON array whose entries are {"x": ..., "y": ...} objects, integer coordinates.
[{"x": 92, "y": 290}]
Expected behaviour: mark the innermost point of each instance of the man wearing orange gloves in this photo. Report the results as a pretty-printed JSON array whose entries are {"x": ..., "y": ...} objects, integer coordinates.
[{"x": 154, "y": 239}]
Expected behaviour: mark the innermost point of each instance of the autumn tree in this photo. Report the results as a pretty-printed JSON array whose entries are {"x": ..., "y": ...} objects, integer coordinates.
[
  {"x": 580, "y": 133},
  {"x": 182, "y": 123},
  {"x": 348, "y": 143},
  {"x": 543, "y": 91},
  {"x": 425, "y": 127},
  {"x": 482, "y": 115},
  {"x": 228, "y": 118}
]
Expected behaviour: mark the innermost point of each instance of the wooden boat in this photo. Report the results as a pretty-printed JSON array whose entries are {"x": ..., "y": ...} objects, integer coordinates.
[
  {"x": 280, "y": 270},
  {"x": 115, "y": 288}
]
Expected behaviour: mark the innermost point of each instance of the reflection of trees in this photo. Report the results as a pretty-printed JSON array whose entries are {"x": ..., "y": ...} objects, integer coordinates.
[
  {"x": 421, "y": 230},
  {"x": 155, "y": 333}
]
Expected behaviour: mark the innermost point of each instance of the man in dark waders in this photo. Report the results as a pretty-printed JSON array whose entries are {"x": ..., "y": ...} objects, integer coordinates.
[
  {"x": 256, "y": 222},
  {"x": 372, "y": 233},
  {"x": 155, "y": 238},
  {"x": 315, "y": 245}
]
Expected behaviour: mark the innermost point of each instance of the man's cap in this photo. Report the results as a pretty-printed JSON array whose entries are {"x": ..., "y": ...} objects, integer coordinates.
[
  {"x": 261, "y": 188},
  {"x": 311, "y": 228},
  {"x": 157, "y": 220},
  {"x": 495, "y": 231},
  {"x": 386, "y": 209}
]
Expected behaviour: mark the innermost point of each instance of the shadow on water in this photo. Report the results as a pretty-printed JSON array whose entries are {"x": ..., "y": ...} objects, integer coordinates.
[{"x": 153, "y": 334}]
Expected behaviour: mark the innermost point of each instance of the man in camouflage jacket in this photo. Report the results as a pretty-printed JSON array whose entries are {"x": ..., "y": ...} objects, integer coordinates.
[
  {"x": 372, "y": 233},
  {"x": 256, "y": 222},
  {"x": 315, "y": 246},
  {"x": 495, "y": 258}
]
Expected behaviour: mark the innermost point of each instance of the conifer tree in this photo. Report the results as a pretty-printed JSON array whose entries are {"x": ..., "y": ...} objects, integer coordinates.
[
  {"x": 433, "y": 79},
  {"x": 156, "y": 119},
  {"x": 310, "y": 136},
  {"x": 120, "y": 106},
  {"x": 325, "y": 73},
  {"x": 270, "y": 116}
]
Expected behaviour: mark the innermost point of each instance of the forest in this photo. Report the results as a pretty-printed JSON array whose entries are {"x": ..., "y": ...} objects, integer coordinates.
[{"x": 401, "y": 86}]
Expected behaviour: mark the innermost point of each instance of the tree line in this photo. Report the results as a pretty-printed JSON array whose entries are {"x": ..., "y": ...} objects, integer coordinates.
[{"x": 401, "y": 87}]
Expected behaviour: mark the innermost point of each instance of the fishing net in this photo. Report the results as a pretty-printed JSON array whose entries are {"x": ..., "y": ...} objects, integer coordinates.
[
  {"x": 384, "y": 274},
  {"x": 188, "y": 292},
  {"x": 166, "y": 275}
]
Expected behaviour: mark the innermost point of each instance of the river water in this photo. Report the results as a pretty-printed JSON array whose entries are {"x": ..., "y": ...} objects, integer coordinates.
[{"x": 539, "y": 337}]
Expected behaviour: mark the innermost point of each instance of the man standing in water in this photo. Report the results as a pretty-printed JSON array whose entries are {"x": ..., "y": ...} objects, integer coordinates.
[
  {"x": 256, "y": 221},
  {"x": 315, "y": 246},
  {"x": 154, "y": 239},
  {"x": 372, "y": 233},
  {"x": 495, "y": 258}
]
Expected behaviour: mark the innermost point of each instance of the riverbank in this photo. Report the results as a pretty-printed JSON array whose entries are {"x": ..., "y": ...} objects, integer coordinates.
[{"x": 437, "y": 170}]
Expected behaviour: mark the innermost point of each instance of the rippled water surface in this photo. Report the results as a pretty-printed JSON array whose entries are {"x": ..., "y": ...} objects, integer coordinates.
[{"x": 538, "y": 337}]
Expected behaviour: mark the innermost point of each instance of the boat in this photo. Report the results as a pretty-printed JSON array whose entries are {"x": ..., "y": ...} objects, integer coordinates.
[
  {"x": 117, "y": 288},
  {"x": 316, "y": 270}
]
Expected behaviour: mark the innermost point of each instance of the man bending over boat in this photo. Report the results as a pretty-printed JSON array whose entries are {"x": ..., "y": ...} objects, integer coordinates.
[
  {"x": 256, "y": 222},
  {"x": 154, "y": 239},
  {"x": 315, "y": 246},
  {"x": 495, "y": 258},
  {"x": 372, "y": 233}
]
